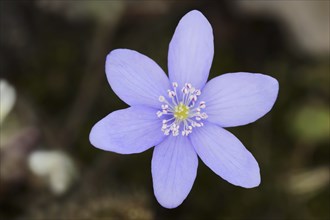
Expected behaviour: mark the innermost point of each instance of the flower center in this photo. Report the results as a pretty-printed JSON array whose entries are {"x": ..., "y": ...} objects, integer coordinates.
[{"x": 180, "y": 112}]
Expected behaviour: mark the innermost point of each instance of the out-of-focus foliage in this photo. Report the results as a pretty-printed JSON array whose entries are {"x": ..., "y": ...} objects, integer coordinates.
[
  {"x": 53, "y": 54},
  {"x": 311, "y": 123}
]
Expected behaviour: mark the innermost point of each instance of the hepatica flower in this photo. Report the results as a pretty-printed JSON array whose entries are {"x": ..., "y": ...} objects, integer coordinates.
[{"x": 181, "y": 115}]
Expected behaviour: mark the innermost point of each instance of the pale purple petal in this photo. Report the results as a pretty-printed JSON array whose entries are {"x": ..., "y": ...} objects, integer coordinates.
[
  {"x": 135, "y": 78},
  {"x": 235, "y": 99},
  {"x": 225, "y": 155},
  {"x": 191, "y": 50},
  {"x": 174, "y": 169},
  {"x": 128, "y": 131}
]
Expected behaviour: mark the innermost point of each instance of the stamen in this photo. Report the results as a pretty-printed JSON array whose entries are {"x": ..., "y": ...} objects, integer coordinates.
[{"x": 185, "y": 116}]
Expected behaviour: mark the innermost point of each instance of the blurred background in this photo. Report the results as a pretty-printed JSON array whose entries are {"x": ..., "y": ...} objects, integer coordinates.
[{"x": 54, "y": 89}]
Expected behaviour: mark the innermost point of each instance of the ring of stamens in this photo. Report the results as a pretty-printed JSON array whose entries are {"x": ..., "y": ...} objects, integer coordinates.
[{"x": 181, "y": 110}]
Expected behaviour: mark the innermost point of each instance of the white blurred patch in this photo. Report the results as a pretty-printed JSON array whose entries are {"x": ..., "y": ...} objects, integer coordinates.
[
  {"x": 7, "y": 99},
  {"x": 306, "y": 21},
  {"x": 56, "y": 167}
]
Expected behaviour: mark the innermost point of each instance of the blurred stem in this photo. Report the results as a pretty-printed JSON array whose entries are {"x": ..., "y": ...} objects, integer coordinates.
[{"x": 89, "y": 86}]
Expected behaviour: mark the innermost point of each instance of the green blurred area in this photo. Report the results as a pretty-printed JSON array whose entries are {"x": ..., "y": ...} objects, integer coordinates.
[{"x": 53, "y": 53}]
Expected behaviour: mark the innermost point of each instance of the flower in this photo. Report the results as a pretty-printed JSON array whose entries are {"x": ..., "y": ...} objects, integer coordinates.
[{"x": 182, "y": 116}]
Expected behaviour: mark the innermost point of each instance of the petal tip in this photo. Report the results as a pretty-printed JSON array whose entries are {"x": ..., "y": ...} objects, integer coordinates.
[
  {"x": 253, "y": 180},
  {"x": 272, "y": 81},
  {"x": 196, "y": 16},
  {"x": 170, "y": 202},
  {"x": 118, "y": 51},
  {"x": 272, "y": 84},
  {"x": 248, "y": 184},
  {"x": 93, "y": 139},
  {"x": 195, "y": 11},
  {"x": 253, "y": 184},
  {"x": 276, "y": 85}
]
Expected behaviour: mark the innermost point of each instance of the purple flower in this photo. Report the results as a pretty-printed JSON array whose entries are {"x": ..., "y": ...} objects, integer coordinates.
[{"x": 182, "y": 116}]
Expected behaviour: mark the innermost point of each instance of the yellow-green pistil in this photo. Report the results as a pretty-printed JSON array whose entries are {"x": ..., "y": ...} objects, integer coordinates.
[{"x": 181, "y": 111}]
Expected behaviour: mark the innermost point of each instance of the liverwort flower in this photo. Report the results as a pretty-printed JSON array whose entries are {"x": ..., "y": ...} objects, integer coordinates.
[{"x": 182, "y": 116}]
